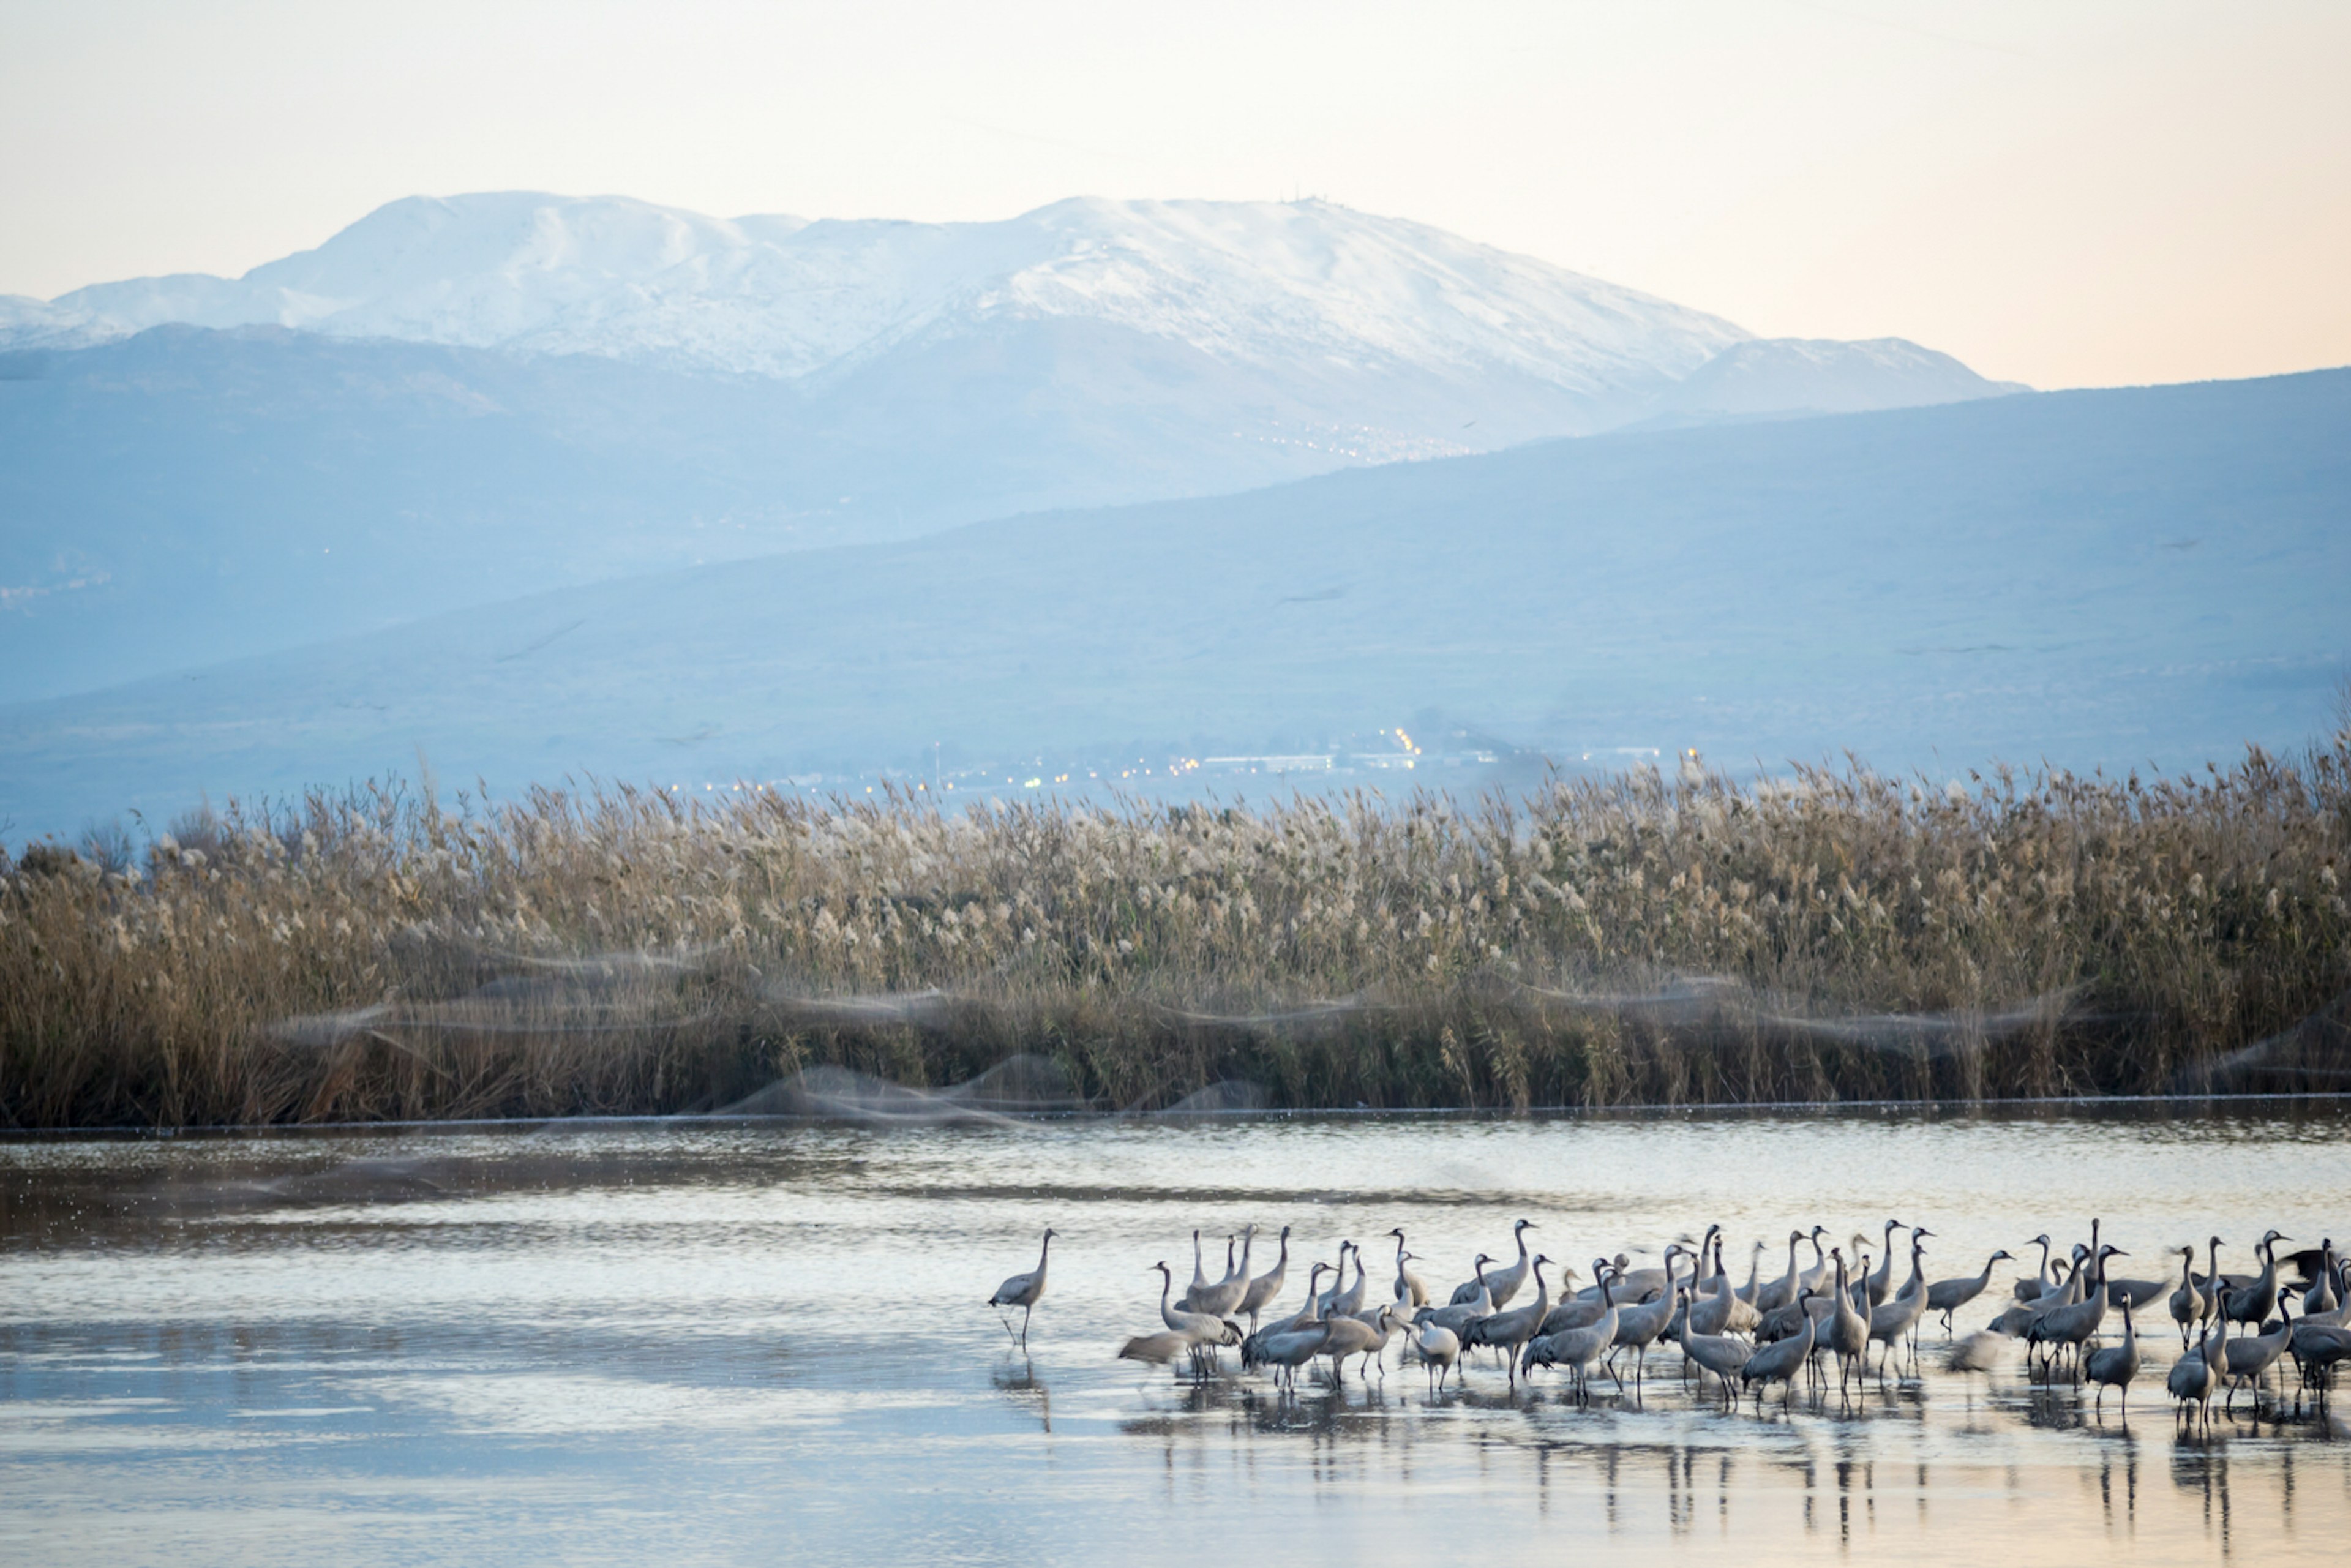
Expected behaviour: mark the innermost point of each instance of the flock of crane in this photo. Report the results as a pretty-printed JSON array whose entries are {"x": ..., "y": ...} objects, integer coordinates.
[{"x": 1767, "y": 1332}]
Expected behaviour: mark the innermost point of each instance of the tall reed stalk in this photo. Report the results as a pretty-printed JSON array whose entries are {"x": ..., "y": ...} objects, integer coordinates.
[{"x": 1639, "y": 940}]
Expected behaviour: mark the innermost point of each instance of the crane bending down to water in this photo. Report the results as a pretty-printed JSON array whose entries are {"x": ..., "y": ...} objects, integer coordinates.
[{"x": 1023, "y": 1291}]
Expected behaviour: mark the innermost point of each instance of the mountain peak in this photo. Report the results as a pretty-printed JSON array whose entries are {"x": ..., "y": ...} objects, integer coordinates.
[{"x": 1243, "y": 282}]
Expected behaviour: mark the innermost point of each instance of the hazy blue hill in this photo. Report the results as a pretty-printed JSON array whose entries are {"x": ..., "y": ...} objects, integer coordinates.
[
  {"x": 2096, "y": 578},
  {"x": 188, "y": 495}
]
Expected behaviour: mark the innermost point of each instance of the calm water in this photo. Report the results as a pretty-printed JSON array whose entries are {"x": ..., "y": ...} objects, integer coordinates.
[{"x": 736, "y": 1344}]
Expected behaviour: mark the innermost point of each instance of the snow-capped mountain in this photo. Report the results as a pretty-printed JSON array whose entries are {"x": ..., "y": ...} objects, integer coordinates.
[
  {"x": 554, "y": 391},
  {"x": 1247, "y": 283}
]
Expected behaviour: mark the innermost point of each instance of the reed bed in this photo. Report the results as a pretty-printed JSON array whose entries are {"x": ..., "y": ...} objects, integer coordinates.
[{"x": 1646, "y": 938}]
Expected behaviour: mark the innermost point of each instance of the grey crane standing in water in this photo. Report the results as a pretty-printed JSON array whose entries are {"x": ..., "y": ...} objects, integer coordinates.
[
  {"x": 1890, "y": 1323},
  {"x": 1289, "y": 1345},
  {"x": 2250, "y": 1357},
  {"x": 1267, "y": 1285},
  {"x": 1199, "y": 1285},
  {"x": 2189, "y": 1305},
  {"x": 1722, "y": 1355},
  {"x": 2319, "y": 1299},
  {"x": 1639, "y": 1326},
  {"x": 2256, "y": 1300},
  {"x": 1023, "y": 1291},
  {"x": 1501, "y": 1286},
  {"x": 1848, "y": 1330},
  {"x": 2115, "y": 1366},
  {"x": 2043, "y": 1283},
  {"x": 1508, "y": 1331},
  {"x": 1342, "y": 1298},
  {"x": 1881, "y": 1283},
  {"x": 1439, "y": 1349},
  {"x": 2195, "y": 1376},
  {"x": 1948, "y": 1296},
  {"x": 1577, "y": 1348},
  {"x": 1781, "y": 1361},
  {"x": 1221, "y": 1298},
  {"x": 2073, "y": 1324},
  {"x": 1779, "y": 1292},
  {"x": 1410, "y": 1293}
]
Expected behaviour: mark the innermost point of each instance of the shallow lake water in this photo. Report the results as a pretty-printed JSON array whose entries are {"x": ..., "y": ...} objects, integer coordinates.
[{"x": 564, "y": 1344}]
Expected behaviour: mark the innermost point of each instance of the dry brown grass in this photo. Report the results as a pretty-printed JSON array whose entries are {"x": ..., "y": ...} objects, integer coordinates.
[{"x": 1640, "y": 940}]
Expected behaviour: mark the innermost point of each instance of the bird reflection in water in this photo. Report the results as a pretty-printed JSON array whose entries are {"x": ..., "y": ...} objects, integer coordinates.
[{"x": 1026, "y": 1390}]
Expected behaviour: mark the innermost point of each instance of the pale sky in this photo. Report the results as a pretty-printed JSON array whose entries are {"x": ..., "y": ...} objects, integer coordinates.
[{"x": 2062, "y": 192}]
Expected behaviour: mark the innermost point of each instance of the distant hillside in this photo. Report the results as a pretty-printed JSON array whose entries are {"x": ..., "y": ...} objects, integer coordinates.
[
  {"x": 2107, "y": 578},
  {"x": 456, "y": 401},
  {"x": 1810, "y": 375}
]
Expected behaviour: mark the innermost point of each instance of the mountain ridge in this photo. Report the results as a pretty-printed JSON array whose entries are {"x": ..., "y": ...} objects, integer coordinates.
[{"x": 789, "y": 297}]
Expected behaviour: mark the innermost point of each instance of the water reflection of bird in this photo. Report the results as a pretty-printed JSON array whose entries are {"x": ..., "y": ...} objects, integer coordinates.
[{"x": 1024, "y": 1290}]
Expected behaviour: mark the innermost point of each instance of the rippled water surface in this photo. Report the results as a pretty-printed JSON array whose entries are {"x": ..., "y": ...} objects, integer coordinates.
[{"x": 576, "y": 1345}]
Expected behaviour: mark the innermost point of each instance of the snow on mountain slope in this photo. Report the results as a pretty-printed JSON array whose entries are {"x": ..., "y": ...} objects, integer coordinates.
[{"x": 1250, "y": 283}]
